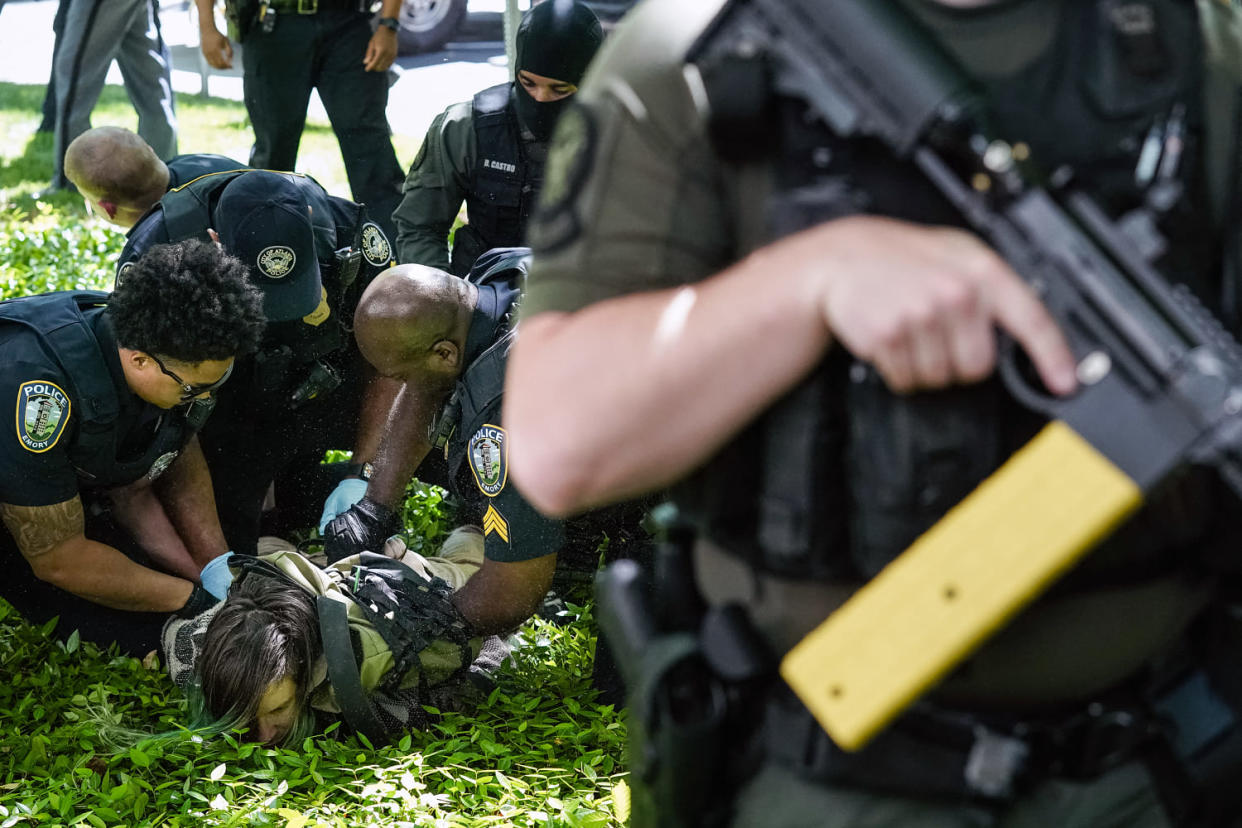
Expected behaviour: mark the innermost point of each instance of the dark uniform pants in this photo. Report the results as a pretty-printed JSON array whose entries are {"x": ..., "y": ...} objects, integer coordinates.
[
  {"x": 136, "y": 633},
  {"x": 247, "y": 452},
  {"x": 323, "y": 51}
]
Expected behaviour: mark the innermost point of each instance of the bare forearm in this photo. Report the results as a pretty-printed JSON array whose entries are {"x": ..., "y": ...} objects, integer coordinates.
[
  {"x": 649, "y": 385},
  {"x": 501, "y": 596},
  {"x": 377, "y": 402},
  {"x": 403, "y": 447},
  {"x": 105, "y": 576},
  {"x": 206, "y": 14},
  {"x": 140, "y": 513},
  {"x": 186, "y": 494}
]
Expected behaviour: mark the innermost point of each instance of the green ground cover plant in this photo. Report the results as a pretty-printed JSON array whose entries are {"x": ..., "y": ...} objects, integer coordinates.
[{"x": 539, "y": 752}]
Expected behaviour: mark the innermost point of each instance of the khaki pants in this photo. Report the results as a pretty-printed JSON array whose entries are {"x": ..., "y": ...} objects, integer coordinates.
[{"x": 460, "y": 556}]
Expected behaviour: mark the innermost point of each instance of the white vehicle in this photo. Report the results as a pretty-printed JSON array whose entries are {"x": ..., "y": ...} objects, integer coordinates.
[{"x": 426, "y": 25}]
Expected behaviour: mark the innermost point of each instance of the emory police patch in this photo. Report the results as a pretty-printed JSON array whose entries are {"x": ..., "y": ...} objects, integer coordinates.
[
  {"x": 489, "y": 456},
  {"x": 276, "y": 262},
  {"x": 42, "y": 412},
  {"x": 375, "y": 247}
]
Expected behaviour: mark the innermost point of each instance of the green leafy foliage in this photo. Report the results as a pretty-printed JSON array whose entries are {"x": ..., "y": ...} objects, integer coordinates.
[{"x": 539, "y": 751}]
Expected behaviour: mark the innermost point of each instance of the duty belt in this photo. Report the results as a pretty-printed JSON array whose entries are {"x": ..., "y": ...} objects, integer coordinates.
[
  {"x": 936, "y": 752},
  {"x": 312, "y": 6}
]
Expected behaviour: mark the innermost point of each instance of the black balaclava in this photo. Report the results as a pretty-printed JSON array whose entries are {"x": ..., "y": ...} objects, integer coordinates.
[{"x": 556, "y": 39}]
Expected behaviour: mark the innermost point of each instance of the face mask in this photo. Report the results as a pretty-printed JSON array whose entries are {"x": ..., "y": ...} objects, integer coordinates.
[{"x": 536, "y": 117}]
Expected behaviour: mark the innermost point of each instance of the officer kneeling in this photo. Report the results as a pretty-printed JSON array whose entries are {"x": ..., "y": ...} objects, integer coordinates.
[{"x": 103, "y": 488}]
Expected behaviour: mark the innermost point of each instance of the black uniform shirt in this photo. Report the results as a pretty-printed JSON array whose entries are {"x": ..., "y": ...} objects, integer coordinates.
[
  {"x": 185, "y": 168},
  {"x": 35, "y": 467},
  {"x": 478, "y": 451}
]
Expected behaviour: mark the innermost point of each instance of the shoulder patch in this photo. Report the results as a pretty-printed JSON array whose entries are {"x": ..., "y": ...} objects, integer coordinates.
[
  {"x": 569, "y": 160},
  {"x": 375, "y": 247},
  {"x": 120, "y": 273},
  {"x": 42, "y": 413},
  {"x": 488, "y": 453},
  {"x": 276, "y": 262}
]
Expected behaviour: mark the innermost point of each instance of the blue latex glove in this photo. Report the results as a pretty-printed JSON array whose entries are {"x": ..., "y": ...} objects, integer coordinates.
[
  {"x": 216, "y": 576},
  {"x": 348, "y": 492}
]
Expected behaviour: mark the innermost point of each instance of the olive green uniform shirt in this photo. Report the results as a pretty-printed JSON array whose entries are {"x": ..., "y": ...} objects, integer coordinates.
[{"x": 435, "y": 188}]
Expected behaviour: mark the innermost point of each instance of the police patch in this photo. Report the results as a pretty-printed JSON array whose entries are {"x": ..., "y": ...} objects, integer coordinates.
[
  {"x": 277, "y": 261},
  {"x": 489, "y": 456},
  {"x": 120, "y": 273},
  {"x": 161, "y": 464},
  {"x": 375, "y": 247},
  {"x": 569, "y": 160},
  {"x": 42, "y": 413}
]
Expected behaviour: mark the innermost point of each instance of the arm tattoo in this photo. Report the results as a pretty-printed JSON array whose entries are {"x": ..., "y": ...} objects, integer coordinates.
[{"x": 37, "y": 529}]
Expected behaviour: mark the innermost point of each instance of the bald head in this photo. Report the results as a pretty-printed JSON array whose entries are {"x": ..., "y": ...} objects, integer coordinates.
[
  {"x": 118, "y": 173},
  {"x": 412, "y": 321}
]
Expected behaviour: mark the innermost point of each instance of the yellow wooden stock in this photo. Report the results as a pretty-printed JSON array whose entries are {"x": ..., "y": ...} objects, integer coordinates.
[{"x": 956, "y": 585}]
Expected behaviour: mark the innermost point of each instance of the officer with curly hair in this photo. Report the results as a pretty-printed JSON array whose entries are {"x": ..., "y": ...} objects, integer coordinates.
[{"x": 103, "y": 487}]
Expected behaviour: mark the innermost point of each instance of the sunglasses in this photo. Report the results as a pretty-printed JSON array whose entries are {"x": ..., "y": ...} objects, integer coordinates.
[{"x": 188, "y": 391}]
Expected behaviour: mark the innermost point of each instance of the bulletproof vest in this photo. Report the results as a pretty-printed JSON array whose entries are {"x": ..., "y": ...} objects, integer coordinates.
[
  {"x": 846, "y": 474},
  {"x": 57, "y": 320},
  {"x": 504, "y": 182},
  {"x": 478, "y": 390}
]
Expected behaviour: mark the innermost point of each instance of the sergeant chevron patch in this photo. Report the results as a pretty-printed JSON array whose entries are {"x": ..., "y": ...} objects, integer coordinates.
[{"x": 494, "y": 522}]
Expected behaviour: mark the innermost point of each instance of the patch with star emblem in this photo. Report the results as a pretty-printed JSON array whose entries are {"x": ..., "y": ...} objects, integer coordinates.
[
  {"x": 489, "y": 455},
  {"x": 569, "y": 160},
  {"x": 375, "y": 247},
  {"x": 277, "y": 261},
  {"x": 42, "y": 412},
  {"x": 161, "y": 464}
]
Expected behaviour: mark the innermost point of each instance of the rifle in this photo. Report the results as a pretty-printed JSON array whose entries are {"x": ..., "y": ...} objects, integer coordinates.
[{"x": 1147, "y": 351}]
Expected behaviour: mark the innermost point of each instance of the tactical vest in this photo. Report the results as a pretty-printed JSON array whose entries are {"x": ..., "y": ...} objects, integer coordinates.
[
  {"x": 291, "y": 351},
  {"x": 57, "y": 320},
  {"x": 843, "y": 464},
  {"x": 504, "y": 181},
  {"x": 480, "y": 387}
]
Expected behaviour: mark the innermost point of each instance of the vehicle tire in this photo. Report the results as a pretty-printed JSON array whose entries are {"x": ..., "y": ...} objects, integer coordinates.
[{"x": 426, "y": 25}]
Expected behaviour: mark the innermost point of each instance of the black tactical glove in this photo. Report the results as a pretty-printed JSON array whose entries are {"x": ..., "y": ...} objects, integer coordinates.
[
  {"x": 199, "y": 601},
  {"x": 362, "y": 527}
]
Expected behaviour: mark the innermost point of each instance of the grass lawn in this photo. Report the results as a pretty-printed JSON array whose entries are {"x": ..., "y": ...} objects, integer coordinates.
[{"x": 539, "y": 752}]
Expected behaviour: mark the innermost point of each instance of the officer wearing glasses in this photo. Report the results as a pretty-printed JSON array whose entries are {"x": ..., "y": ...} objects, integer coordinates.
[
  {"x": 103, "y": 488},
  {"x": 307, "y": 388}
]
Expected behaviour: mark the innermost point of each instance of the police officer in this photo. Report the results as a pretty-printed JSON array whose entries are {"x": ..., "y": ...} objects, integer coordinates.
[
  {"x": 103, "y": 488},
  {"x": 307, "y": 389},
  {"x": 294, "y": 46},
  {"x": 121, "y": 177},
  {"x": 662, "y": 318},
  {"x": 95, "y": 33},
  {"x": 448, "y": 339},
  {"x": 489, "y": 152}
]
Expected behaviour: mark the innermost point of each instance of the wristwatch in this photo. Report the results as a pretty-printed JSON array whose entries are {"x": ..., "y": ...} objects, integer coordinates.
[
  {"x": 363, "y": 470},
  {"x": 390, "y": 23}
]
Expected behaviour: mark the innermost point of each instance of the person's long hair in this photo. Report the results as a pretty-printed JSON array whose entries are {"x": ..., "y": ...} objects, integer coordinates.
[{"x": 266, "y": 630}]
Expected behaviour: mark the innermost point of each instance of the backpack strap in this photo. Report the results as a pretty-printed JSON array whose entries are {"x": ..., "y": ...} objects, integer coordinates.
[{"x": 338, "y": 651}]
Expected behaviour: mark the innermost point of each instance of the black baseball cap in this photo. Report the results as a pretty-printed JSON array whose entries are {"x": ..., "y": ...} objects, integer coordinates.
[{"x": 264, "y": 220}]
